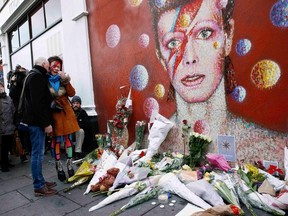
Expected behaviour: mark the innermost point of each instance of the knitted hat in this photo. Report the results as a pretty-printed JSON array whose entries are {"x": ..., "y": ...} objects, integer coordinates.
[{"x": 76, "y": 99}]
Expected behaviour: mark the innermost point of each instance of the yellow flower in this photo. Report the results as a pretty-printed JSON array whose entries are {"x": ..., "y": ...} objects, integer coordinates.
[{"x": 186, "y": 167}]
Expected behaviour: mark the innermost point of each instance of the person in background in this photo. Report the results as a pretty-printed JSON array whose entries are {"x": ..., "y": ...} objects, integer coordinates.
[
  {"x": 64, "y": 119},
  {"x": 7, "y": 127},
  {"x": 16, "y": 85},
  {"x": 82, "y": 118},
  {"x": 37, "y": 115}
]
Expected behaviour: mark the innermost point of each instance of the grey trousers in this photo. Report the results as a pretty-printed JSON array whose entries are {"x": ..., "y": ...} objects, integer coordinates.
[{"x": 79, "y": 140}]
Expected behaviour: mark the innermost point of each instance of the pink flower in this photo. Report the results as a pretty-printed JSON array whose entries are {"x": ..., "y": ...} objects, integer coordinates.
[{"x": 218, "y": 161}]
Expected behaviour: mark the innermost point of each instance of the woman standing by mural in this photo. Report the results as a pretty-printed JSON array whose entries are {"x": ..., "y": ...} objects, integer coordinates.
[
  {"x": 64, "y": 119},
  {"x": 193, "y": 42}
]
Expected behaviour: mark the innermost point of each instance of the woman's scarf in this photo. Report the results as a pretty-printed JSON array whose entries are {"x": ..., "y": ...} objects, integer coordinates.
[{"x": 54, "y": 82}]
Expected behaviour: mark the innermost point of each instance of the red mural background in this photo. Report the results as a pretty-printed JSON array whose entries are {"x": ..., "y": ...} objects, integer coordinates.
[{"x": 112, "y": 66}]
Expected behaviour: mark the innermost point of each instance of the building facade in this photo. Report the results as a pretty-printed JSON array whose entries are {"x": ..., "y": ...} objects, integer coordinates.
[{"x": 43, "y": 28}]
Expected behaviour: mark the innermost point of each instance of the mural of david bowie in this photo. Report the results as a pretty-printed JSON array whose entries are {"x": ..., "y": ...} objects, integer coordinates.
[{"x": 193, "y": 42}]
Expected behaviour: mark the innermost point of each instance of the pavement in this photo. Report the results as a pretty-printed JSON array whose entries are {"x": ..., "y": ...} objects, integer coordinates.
[{"x": 17, "y": 197}]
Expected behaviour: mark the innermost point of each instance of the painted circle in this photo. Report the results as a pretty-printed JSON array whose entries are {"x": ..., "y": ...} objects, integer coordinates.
[
  {"x": 201, "y": 127},
  {"x": 279, "y": 14},
  {"x": 144, "y": 40},
  {"x": 159, "y": 91},
  {"x": 239, "y": 94},
  {"x": 135, "y": 3},
  {"x": 243, "y": 46},
  {"x": 184, "y": 20},
  {"x": 149, "y": 105},
  {"x": 113, "y": 36},
  {"x": 138, "y": 77},
  {"x": 265, "y": 74},
  {"x": 160, "y": 3}
]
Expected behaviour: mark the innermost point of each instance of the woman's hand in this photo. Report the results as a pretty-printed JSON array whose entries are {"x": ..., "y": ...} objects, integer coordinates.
[{"x": 62, "y": 74}]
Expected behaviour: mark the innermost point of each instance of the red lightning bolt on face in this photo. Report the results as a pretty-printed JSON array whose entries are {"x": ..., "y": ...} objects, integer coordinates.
[{"x": 191, "y": 9}]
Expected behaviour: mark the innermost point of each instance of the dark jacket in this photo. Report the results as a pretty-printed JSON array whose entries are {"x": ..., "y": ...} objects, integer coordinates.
[
  {"x": 15, "y": 92},
  {"x": 6, "y": 115},
  {"x": 82, "y": 118},
  {"x": 84, "y": 123},
  {"x": 37, "y": 99}
]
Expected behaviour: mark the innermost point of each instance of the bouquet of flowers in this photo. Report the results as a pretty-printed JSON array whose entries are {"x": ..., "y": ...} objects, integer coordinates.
[
  {"x": 198, "y": 144},
  {"x": 123, "y": 113},
  {"x": 139, "y": 130},
  {"x": 185, "y": 134}
]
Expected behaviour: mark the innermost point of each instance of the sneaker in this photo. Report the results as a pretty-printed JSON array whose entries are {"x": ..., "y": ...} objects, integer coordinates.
[
  {"x": 50, "y": 184},
  {"x": 24, "y": 159},
  {"x": 45, "y": 191}
]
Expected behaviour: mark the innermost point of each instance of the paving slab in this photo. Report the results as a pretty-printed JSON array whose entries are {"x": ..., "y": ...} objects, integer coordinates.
[
  {"x": 45, "y": 206},
  {"x": 12, "y": 200}
]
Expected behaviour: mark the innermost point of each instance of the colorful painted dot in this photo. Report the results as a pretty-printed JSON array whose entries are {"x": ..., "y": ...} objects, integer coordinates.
[
  {"x": 135, "y": 3},
  {"x": 149, "y": 105},
  {"x": 162, "y": 206},
  {"x": 113, "y": 36},
  {"x": 201, "y": 127},
  {"x": 216, "y": 45},
  {"x": 143, "y": 40},
  {"x": 184, "y": 20},
  {"x": 160, "y": 3},
  {"x": 173, "y": 201},
  {"x": 279, "y": 14},
  {"x": 243, "y": 46},
  {"x": 171, "y": 204},
  {"x": 139, "y": 77},
  {"x": 239, "y": 94},
  {"x": 265, "y": 74},
  {"x": 153, "y": 203},
  {"x": 159, "y": 91}
]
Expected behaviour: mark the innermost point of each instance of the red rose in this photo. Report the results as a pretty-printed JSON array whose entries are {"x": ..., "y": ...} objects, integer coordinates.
[
  {"x": 185, "y": 122},
  {"x": 142, "y": 154},
  {"x": 235, "y": 210}
]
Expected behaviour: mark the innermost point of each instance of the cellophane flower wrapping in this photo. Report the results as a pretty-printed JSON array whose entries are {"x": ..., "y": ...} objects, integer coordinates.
[
  {"x": 122, "y": 116},
  {"x": 101, "y": 140},
  {"x": 275, "y": 182},
  {"x": 198, "y": 144},
  {"x": 206, "y": 191},
  {"x": 83, "y": 170},
  {"x": 107, "y": 161},
  {"x": 127, "y": 191},
  {"x": 139, "y": 130},
  {"x": 170, "y": 182},
  {"x": 130, "y": 175},
  {"x": 218, "y": 161},
  {"x": 157, "y": 134}
]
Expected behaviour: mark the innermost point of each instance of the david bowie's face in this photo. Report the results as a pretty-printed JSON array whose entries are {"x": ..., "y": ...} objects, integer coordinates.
[{"x": 192, "y": 46}]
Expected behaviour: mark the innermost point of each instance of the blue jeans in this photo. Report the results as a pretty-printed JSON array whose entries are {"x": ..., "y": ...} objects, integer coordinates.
[{"x": 37, "y": 137}]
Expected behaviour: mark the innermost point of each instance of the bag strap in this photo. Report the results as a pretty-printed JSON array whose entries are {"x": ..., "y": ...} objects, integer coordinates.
[{"x": 22, "y": 91}]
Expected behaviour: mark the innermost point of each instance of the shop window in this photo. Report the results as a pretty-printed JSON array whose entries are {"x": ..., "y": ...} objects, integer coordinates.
[
  {"x": 52, "y": 11},
  {"x": 37, "y": 21},
  {"x": 14, "y": 39},
  {"x": 24, "y": 33}
]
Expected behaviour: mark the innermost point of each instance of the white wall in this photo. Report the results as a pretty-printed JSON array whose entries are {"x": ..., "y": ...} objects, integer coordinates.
[{"x": 76, "y": 51}]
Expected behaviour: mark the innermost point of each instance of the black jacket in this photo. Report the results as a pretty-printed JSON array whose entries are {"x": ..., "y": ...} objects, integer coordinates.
[
  {"x": 37, "y": 99},
  {"x": 82, "y": 118}
]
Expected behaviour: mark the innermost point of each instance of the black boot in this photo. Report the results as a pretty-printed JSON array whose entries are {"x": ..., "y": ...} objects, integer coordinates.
[
  {"x": 70, "y": 167},
  {"x": 60, "y": 171}
]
